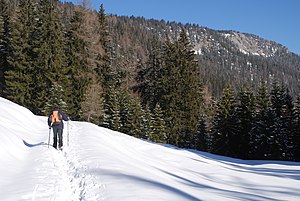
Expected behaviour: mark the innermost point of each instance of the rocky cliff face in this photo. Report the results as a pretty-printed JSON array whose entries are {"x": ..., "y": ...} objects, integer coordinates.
[
  {"x": 248, "y": 44},
  {"x": 253, "y": 45}
]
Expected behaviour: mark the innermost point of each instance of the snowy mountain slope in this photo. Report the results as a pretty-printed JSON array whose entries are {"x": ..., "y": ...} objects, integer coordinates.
[{"x": 100, "y": 164}]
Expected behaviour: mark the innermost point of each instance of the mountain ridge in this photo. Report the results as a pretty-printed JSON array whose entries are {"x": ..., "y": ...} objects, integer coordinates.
[{"x": 238, "y": 58}]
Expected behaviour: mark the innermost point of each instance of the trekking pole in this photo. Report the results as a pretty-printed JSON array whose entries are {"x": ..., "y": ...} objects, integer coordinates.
[
  {"x": 68, "y": 132},
  {"x": 49, "y": 136}
]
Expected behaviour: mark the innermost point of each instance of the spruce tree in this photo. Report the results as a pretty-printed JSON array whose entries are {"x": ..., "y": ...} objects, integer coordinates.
[
  {"x": 106, "y": 70},
  {"x": 111, "y": 108},
  {"x": 279, "y": 135},
  {"x": 224, "y": 127},
  {"x": 288, "y": 127},
  {"x": 170, "y": 94},
  {"x": 116, "y": 118},
  {"x": 5, "y": 50},
  {"x": 147, "y": 123},
  {"x": 19, "y": 74},
  {"x": 77, "y": 64},
  {"x": 50, "y": 63},
  {"x": 200, "y": 141},
  {"x": 136, "y": 119},
  {"x": 245, "y": 117},
  {"x": 296, "y": 137},
  {"x": 149, "y": 77},
  {"x": 262, "y": 125},
  {"x": 55, "y": 99},
  {"x": 125, "y": 105},
  {"x": 105, "y": 58},
  {"x": 158, "y": 133},
  {"x": 181, "y": 91}
]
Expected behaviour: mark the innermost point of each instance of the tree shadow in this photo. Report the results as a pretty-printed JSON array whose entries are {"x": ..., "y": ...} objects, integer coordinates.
[
  {"x": 151, "y": 183},
  {"x": 34, "y": 145},
  {"x": 233, "y": 194},
  {"x": 249, "y": 166},
  {"x": 184, "y": 194}
]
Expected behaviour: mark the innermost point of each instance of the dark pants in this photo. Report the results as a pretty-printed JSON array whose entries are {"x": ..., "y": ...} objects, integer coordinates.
[{"x": 57, "y": 131}]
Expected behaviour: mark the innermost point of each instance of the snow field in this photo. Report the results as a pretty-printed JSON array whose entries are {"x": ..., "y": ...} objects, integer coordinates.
[{"x": 100, "y": 164}]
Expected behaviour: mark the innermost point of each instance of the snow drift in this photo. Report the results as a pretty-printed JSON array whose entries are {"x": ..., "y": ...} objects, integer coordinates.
[{"x": 100, "y": 164}]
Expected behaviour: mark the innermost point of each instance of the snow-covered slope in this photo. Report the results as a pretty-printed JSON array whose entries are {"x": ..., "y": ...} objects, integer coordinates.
[{"x": 100, "y": 164}]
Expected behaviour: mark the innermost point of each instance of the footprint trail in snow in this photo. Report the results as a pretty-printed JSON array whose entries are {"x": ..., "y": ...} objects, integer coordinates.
[{"x": 70, "y": 179}]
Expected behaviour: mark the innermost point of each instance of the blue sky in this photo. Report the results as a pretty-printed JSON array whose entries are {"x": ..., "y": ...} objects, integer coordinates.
[{"x": 276, "y": 20}]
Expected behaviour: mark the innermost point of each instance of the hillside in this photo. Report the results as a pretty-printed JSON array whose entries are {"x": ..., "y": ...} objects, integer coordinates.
[
  {"x": 100, "y": 164},
  {"x": 154, "y": 80},
  {"x": 224, "y": 57}
]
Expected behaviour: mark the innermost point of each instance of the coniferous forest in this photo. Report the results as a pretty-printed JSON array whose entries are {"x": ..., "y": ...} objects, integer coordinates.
[{"x": 143, "y": 84}]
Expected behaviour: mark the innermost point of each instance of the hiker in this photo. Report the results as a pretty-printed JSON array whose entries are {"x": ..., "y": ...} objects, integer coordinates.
[{"x": 55, "y": 122}]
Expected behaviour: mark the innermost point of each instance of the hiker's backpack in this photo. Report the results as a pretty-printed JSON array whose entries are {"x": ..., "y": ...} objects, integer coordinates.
[{"x": 56, "y": 117}]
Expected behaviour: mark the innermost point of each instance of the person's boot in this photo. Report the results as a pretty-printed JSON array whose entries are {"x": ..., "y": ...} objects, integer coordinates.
[
  {"x": 60, "y": 144},
  {"x": 55, "y": 143}
]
